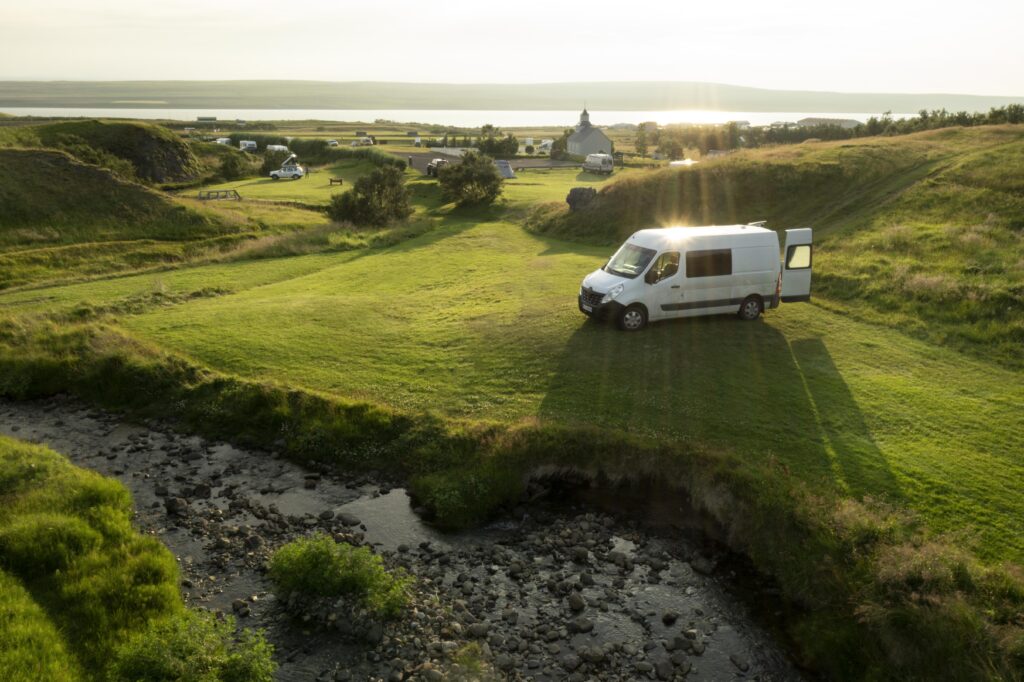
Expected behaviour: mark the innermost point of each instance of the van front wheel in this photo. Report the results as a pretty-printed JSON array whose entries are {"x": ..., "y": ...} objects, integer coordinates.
[
  {"x": 633, "y": 318},
  {"x": 750, "y": 309}
]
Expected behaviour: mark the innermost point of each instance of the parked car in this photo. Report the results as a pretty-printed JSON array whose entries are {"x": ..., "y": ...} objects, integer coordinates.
[
  {"x": 599, "y": 163},
  {"x": 436, "y": 165},
  {"x": 332, "y": 143},
  {"x": 362, "y": 142},
  {"x": 289, "y": 169},
  {"x": 664, "y": 273}
]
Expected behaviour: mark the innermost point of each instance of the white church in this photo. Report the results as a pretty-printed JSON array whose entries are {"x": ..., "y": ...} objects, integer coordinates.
[{"x": 587, "y": 139}]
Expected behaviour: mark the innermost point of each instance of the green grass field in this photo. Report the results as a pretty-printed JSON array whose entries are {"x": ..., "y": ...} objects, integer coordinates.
[
  {"x": 314, "y": 189},
  {"x": 477, "y": 319},
  {"x": 898, "y": 384}
]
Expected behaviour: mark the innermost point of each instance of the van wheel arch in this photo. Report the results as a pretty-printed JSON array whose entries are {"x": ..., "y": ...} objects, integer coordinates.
[
  {"x": 751, "y": 308},
  {"x": 628, "y": 320}
]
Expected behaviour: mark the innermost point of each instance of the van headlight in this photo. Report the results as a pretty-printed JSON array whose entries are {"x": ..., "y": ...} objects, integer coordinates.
[{"x": 613, "y": 293}]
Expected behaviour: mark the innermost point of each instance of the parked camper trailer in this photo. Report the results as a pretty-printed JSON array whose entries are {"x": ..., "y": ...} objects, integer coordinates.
[
  {"x": 665, "y": 273},
  {"x": 277, "y": 148},
  {"x": 247, "y": 145},
  {"x": 223, "y": 140}
]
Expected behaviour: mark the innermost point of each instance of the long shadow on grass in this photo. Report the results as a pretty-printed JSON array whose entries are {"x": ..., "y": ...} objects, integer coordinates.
[
  {"x": 859, "y": 462},
  {"x": 721, "y": 381}
]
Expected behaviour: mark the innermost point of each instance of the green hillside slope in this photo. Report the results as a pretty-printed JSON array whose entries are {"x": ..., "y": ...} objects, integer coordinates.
[
  {"x": 922, "y": 232},
  {"x": 152, "y": 153},
  {"x": 47, "y": 196}
]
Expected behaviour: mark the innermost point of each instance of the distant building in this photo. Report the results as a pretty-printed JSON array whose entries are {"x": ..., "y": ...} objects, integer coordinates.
[
  {"x": 841, "y": 122},
  {"x": 741, "y": 125},
  {"x": 587, "y": 139}
]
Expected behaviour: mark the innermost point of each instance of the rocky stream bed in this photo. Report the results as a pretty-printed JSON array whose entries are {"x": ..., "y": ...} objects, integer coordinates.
[{"x": 551, "y": 592}]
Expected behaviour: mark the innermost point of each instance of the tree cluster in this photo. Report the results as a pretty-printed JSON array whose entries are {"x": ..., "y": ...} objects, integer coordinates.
[
  {"x": 475, "y": 180},
  {"x": 375, "y": 199}
]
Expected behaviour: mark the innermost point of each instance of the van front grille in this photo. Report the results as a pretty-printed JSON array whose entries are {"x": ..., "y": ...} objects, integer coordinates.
[{"x": 591, "y": 297}]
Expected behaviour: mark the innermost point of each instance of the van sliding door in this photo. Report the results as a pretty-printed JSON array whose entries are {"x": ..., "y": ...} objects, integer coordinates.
[{"x": 796, "y": 266}]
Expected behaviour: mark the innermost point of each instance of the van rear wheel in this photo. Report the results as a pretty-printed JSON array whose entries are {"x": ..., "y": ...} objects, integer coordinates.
[
  {"x": 751, "y": 308},
  {"x": 633, "y": 318}
]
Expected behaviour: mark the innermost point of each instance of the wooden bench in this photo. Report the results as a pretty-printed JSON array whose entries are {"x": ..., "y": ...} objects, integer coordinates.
[
  {"x": 337, "y": 181},
  {"x": 208, "y": 194}
]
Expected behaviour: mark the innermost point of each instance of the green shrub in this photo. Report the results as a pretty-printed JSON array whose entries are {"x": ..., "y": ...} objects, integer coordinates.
[
  {"x": 475, "y": 180},
  {"x": 193, "y": 646},
  {"x": 31, "y": 648},
  {"x": 272, "y": 161},
  {"x": 39, "y": 544},
  {"x": 375, "y": 199},
  {"x": 319, "y": 566},
  {"x": 233, "y": 166}
]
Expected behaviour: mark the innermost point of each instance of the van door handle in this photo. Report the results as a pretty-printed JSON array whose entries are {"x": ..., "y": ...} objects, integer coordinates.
[{"x": 675, "y": 286}]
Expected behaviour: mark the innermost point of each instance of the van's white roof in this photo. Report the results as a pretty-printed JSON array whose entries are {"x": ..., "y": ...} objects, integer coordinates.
[{"x": 664, "y": 237}]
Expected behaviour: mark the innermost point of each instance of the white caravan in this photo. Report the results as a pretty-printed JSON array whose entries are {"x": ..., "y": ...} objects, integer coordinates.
[
  {"x": 671, "y": 272},
  {"x": 247, "y": 145},
  {"x": 277, "y": 148}
]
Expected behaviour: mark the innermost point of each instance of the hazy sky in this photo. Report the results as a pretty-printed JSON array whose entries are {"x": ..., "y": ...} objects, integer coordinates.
[{"x": 892, "y": 46}]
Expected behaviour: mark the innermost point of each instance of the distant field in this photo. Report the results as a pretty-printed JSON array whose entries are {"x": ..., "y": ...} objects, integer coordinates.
[{"x": 315, "y": 189}]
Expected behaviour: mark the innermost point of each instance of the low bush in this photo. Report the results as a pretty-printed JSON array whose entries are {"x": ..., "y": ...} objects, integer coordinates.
[
  {"x": 375, "y": 199},
  {"x": 233, "y": 166},
  {"x": 319, "y": 566},
  {"x": 473, "y": 181},
  {"x": 31, "y": 648},
  {"x": 272, "y": 161},
  {"x": 193, "y": 646},
  {"x": 77, "y": 580}
]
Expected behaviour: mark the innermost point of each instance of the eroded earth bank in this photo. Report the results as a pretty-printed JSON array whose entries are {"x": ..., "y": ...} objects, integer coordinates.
[{"x": 551, "y": 592}]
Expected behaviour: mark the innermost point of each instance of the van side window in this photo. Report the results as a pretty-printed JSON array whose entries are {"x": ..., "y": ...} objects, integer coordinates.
[
  {"x": 712, "y": 263},
  {"x": 799, "y": 257},
  {"x": 664, "y": 267}
]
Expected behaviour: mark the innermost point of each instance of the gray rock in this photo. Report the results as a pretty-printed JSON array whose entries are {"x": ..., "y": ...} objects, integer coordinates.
[
  {"x": 582, "y": 624},
  {"x": 576, "y": 602},
  {"x": 740, "y": 662},
  {"x": 177, "y": 506},
  {"x": 348, "y": 519},
  {"x": 375, "y": 633},
  {"x": 669, "y": 617},
  {"x": 503, "y": 662},
  {"x": 664, "y": 669},
  {"x": 571, "y": 661},
  {"x": 478, "y": 630}
]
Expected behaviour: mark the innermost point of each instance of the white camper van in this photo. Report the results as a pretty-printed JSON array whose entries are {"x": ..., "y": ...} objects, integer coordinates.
[
  {"x": 247, "y": 145},
  {"x": 277, "y": 148},
  {"x": 671, "y": 272},
  {"x": 599, "y": 163}
]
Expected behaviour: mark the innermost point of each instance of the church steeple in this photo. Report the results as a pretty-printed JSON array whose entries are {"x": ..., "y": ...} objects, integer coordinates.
[{"x": 584, "y": 119}]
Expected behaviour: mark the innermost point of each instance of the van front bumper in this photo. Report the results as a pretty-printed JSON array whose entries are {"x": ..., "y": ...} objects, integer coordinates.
[{"x": 601, "y": 311}]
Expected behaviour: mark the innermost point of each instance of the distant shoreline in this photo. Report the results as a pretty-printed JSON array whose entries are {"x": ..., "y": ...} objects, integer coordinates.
[
  {"x": 608, "y": 96},
  {"x": 456, "y": 118}
]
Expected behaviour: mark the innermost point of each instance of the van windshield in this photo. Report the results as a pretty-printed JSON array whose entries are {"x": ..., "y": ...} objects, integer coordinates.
[{"x": 629, "y": 261}]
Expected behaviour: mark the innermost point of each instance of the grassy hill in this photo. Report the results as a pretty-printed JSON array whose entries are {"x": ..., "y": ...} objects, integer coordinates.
[
  {"x": 150, "y": 153},
  {"x": 923, "y": 232},
  {"x": 60, "y": 217}
]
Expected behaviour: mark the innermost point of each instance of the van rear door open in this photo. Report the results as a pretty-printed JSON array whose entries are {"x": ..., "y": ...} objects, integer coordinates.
[{"x": 796, "y": 266}]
